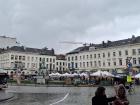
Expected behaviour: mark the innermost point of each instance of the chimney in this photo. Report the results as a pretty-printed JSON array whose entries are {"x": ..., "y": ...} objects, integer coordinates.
[
  {"x": 133, "y": 38},
  {"x": 103, "y": 43}
]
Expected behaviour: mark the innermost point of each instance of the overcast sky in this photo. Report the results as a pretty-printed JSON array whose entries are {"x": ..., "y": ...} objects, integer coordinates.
[{"x": 40, "y": 23}]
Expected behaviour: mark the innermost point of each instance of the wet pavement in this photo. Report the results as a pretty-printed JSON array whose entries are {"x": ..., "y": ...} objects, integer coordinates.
[
  {"x": 5, "y": 95},
  {"x": 26, "y": 95}
]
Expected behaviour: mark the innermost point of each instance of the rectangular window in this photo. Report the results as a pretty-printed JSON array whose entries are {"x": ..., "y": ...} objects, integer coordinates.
[
  {"x": 98, "y": 55},
  {"x": 83, "y": 57},
  {"x": 94, "y": 55},
  {"x": 134, "y": 51},
  {"x": 75, "y": 57},
  {"x": 23, "y": 65},
  {"x": 103, "y": 63},
  {"x": 40, "y": 59},
  {"x": 90, "y": 56},
  {"x": 99, "y": 62},
  {"x": 139, "y": 60},
  {"x": 80, "y": 57},
  {"x": 87, "y": 56},
  {"x": 120, "y": 62},
  {"x": 32, "y": 58},
  {"x": 23, "y": 58},
  {"x": 20, "y": 57},
  {"x": 12, "y": 57},
  {"x": 87, "y": 64},
  {"x": 95, "y": 64},
  {"x": 83, "y": 64},
  {"x": 114, "y": 63},
  {"x": 56, "y": 63},
  {"x": 108, "y": 63},
  {"x": 114, "y": 54},
  {"x": 80, "y": 64},
  {"x": 72, "y": 58},
  {"x": 134, "y": 61},
  {"x": 47, "y": 59},
  {"x": 139, "y": 51},
  {"x": 68, "y": 65},
  {"x": 103, "y": 55},
  {"x": 108, "y": 54},
  {"x": 68, "y": 58},
  {"x": 126, "y": 52},
  {"x": 50, "y": 59},
  {"x": 28, "y": 65},
  {"x": 47, "y": 66},
  {"x": 120, "y": 53},
  {"x": 63, "y": 63},
  {"x": 72, "y": 65},
  {"x": 43, "y": 59},
  {"x": 53, "y": 66},
  {"x": 53, "y": 60},
  {"x": 90, "y": 63},
  {"x": 76, "y": 65},
  {"x": 16, "y": 57},
  {"x": 36, "y": 58}
]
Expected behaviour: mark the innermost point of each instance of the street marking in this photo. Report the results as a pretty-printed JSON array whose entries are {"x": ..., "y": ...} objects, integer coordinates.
[{"x": 60, "y": 100}]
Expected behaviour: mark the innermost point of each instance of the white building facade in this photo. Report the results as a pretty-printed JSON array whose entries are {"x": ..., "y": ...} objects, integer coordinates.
[
  {"x": 107, "y": 57},
  {"x": 61, "y": 63},
  {"x": 7, "y": 42},
  {"x": 61, "y": 66},
  {"x": 26, "y": 61}
]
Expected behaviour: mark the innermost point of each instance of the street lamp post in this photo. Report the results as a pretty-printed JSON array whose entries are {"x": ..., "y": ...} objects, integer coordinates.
[{"x": 129, "y": 65}]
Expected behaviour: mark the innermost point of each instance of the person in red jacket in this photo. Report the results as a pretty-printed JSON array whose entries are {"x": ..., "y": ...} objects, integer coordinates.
[{"x": 100, "y": 97}]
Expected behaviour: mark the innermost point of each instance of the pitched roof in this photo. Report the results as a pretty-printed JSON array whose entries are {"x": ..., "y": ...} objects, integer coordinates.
[
  {"x": 60, "y": 57},
  {"x": 43, "y": 51},
  {"x": 108, "y": 44}
]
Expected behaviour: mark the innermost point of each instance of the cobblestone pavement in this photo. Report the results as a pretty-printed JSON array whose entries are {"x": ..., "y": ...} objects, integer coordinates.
[{"x": 26, "y": 95}]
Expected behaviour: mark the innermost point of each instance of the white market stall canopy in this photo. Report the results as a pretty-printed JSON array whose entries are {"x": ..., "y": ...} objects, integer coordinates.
[
  {"x": 84, "y": 74},
  {"x": 67, "y": 75},
  {"x": 102, "y": 73},
  {"x": 137, "y": 76},
  {"x": 55, "y": 75},
  {"x": 108, "y": 74},
  {"x": 75, "y": 74}
]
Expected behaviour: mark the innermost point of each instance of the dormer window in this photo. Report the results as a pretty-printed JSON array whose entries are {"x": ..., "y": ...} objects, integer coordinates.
[{"x": 92, "y": 48}]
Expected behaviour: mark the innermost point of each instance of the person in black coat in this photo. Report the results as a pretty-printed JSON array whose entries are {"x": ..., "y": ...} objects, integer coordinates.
[{"x": 100, "y": 97}]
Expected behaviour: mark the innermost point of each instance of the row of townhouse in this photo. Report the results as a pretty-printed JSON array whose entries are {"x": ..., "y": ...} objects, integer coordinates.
[
  {"x": 113, "y": 55},
  {"x": 31, "y": 59}
]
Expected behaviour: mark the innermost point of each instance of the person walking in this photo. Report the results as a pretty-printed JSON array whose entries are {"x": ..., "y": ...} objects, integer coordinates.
[
  {"x": 100, "y": 97},
  {"x": 121, "y": 96}
]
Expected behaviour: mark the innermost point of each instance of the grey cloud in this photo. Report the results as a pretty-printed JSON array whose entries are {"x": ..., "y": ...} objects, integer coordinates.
[{"x": 39, "y": 23}]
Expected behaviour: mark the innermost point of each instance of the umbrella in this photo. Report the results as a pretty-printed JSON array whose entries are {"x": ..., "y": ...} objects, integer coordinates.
[
  {"x": 75, "y": 74},
  {"x": 98, "y": 73},
  {"x": 55, "y": 75},
  {"x": 67, "y": 75},
  {"x": 108, "y": 74},
  {"x": 84, "y": 74}
]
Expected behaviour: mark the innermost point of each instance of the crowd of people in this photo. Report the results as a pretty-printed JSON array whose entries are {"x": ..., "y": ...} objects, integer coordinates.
[{"x": 120, "y": 98}]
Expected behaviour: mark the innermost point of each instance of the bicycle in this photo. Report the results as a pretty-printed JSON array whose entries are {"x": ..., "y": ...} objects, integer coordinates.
[{"x": 130, "y": 89}]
